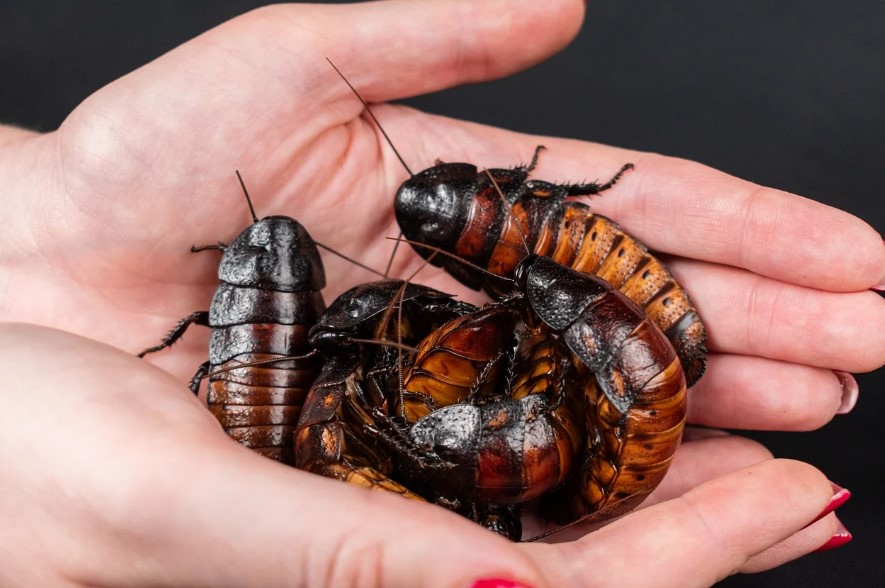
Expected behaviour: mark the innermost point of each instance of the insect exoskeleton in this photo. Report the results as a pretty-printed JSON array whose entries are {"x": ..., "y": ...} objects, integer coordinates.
[
  {"x": 635, "y": 401},
  {"x": 260, "y": 365},
  {"x": 361, "y": 335},
  {"x": 457, "y": 208}
]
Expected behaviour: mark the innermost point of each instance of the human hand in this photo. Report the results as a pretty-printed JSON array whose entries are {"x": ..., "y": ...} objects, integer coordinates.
[
  {"x": 112, "y": 201},
  {"x": 117, "y": 476}
]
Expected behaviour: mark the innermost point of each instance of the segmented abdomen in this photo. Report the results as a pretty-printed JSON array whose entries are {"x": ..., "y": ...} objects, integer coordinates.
[
  {"x": 627, "y": 454},
  {"x": 259, "y": 405},
  {"x": 459, "y": 357},
  {"x": 571, "y": 235}
]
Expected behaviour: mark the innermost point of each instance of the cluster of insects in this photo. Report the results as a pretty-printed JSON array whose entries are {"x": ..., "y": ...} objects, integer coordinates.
[{"x": 566, "y": 391}]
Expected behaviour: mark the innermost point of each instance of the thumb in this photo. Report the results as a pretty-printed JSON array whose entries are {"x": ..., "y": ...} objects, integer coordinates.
[
  {"x": 252, "y": 522},
  {"x": 129, "y": 482}
]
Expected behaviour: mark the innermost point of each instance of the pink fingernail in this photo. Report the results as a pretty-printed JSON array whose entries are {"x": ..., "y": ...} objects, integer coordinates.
[
  {"x": 498, "y": 583},
  {"x": 850, "y": 391},
  {"x": 840, "y": 538},
  {"x": 840, "y": 497}
]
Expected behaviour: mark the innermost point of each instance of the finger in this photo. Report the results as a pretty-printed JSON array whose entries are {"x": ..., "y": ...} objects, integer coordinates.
[
  {"x": 751, "y": 315},
  {"x": 155, "y": 494},
  {"x": 686, "y": 208},
  {"x": 742, "y": 392},
  {"x": 799, "y": 544},
  {"x": 703, "y": 536},
  {"x": 706, "y": 454},
  {"x": 677, "y": 206},
  {"x": 435, "y": 44}
]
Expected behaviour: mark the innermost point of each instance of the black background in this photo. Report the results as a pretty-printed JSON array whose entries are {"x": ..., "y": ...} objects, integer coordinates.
[{"x": 786, "y": 94}]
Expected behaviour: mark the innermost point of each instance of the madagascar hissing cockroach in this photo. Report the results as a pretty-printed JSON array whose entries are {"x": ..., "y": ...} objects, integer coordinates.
[
  {"x": 635, "y": 403},
  {"x": 454, "y": 441},
  {"x": 600, "y": 368},
  {"x": 359, "y": 376},
  {"x": 457, "y": 208},
  {"x": 510, "y": 439},
  {"x": 485, "y": 217},
  {"x": 260, "y": 365}
]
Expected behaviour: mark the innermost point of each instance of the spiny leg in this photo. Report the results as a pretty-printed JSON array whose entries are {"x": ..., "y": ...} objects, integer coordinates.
[
  {"x": 593, "y": 187},
  {"x": 198, "y": 377},
  {"x": 201, "y": 317},
  {"x": 531, "y": 166}
]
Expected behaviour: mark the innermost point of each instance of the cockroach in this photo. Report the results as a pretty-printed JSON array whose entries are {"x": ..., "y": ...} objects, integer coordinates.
[
  {"x": 456, "y": 208},
  {"x": 260, "y": 364},
  {"x": 353, "y": 335},
  {"x": 499, "y": 445},
  {"x": 635, "y": 403},
  {"x": 633, "y": 399}
]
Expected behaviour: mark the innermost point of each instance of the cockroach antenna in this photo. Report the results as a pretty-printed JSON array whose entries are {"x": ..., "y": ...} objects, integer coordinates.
[
  {"x": 389, "y": 142},
  {"x": 372, "y": 114},
  {"x": 453, "y": 256},
  {"x": 509, "y": 208},
  {"x": 248, "y": 200},
  {"x": 351, "y": 260}
]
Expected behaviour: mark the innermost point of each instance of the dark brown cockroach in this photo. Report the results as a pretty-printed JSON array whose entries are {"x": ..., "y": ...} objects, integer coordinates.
[
  {"x": 359, "y": 376},
  {"x": 457, "y": 208},
  {"x": 627, "y": 382},
  {"x": 260, "y": 365},
  {"x": 635, "y": 404},
  {"x": 488, "y": 446}
]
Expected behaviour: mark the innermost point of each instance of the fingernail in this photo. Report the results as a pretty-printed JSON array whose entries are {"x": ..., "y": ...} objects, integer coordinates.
[
  {"x": 840, "y": 538},
  {"x": 840, "y": 497},
  {"x": 498, "y": 583},
  {"x": 850, "y": 391}
]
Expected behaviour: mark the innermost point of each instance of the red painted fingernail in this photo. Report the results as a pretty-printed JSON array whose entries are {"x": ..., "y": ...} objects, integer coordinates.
[
  {"x": 850, "y": 391},
  {"x": 840, "y": 497},
  {"x": 840, "y": 538},
  {"x": 498, "y": 583}
]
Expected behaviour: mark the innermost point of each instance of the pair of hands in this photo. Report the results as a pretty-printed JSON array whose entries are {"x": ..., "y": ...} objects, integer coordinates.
[{"x": 118, "y": 476}]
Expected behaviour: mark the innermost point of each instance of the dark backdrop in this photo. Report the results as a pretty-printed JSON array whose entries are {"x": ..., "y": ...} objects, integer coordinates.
[{"x": 786, "y": 94}]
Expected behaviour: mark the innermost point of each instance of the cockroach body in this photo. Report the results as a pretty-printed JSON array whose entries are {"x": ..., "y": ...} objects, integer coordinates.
[
  {"x": 331, "y": 438},
  {"x": 457, "y": 208},
  {"x": 260, "y": 365},
  {"x": 635, "y": 403}
]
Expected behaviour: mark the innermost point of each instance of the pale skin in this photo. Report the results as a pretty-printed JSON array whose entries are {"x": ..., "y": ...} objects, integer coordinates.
[{"x": 122, "y": 478}]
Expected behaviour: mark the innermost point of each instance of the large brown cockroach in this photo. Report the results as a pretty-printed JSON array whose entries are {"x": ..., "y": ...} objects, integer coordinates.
[
  {"x": 359, "y": 375},
  {"x": 454, "y": 207},
  {"x": 260, "y": 365},
  {"x": 457, "y": 208},
  {"x": 635, "y": 404},
  {"x": 478, "y": 442},
  {"x": 594, "y": 357}
]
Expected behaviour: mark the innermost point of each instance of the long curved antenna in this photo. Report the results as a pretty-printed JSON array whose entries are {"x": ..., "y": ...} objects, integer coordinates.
[
  {"x": 260, "y": 362},
  {"x": 385, "y": 343},
  {"x": 453, "y": 256},
  {"x": 371, "y": 114},
  {"x": 353, "y": 261},
  {"x": 509, "y": 210},
  {"x": 389, "y": 142},
  {"x": 248, "y": 200},
  {"x": 392, "y": 256}
]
